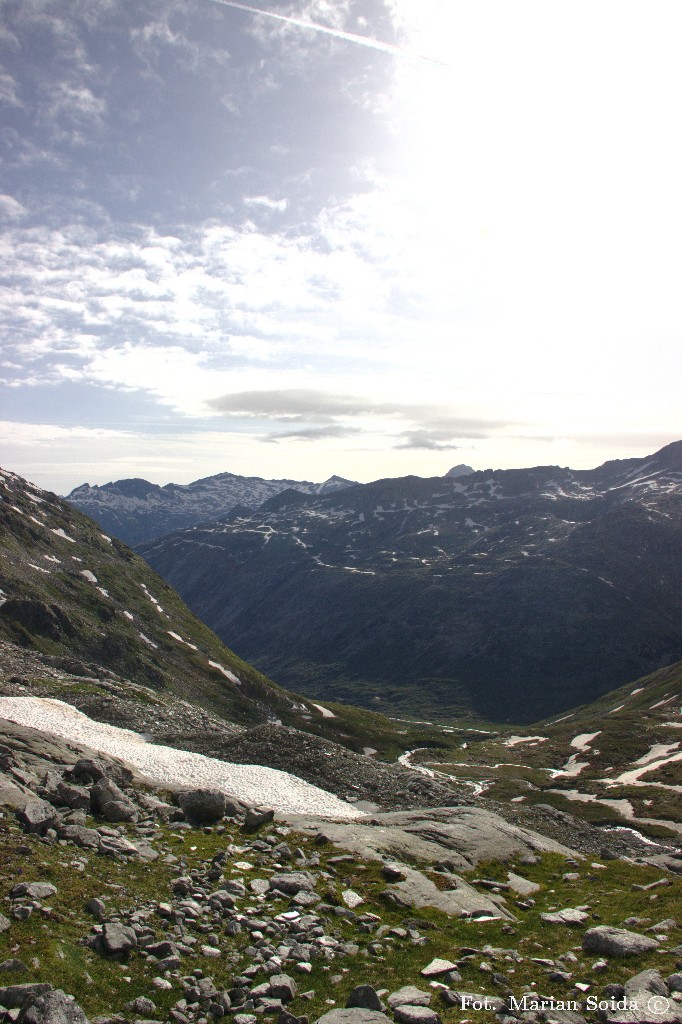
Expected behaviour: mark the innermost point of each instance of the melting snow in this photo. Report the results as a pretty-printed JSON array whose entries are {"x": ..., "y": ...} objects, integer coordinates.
[
  {"x": 89, "y": 575},
  {"x": 514, "y": 740},
  {"x": 226, "y": 672},
  {"x": 40, "y": 569},
  {"x": 251, "y": 783},
  {"x": 325, "y": 712},
  {"x": 180, "y": 639},
  {"x": 582, "y": 742},
  {"x": 64, "y": 536},
  {"x": 148, "y": 641}
]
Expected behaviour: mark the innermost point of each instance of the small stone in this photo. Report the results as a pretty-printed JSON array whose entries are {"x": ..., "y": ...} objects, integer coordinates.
[
  {"x": 257, "y": 816},
  {"x": 351, "y": 898},
  {"x": 437, "y": 967}
]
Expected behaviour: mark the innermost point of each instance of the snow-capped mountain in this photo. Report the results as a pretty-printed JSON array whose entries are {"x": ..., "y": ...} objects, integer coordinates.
[
  {"x": 137, "y": 510},
  {"x": 514, "y": 593}
]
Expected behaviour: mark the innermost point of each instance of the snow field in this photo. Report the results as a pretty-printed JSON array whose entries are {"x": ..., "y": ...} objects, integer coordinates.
[{"x": 252, "y": 784}]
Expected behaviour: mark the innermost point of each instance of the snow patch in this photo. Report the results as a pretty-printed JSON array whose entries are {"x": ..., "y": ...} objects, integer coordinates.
[
  {"x": 226, "y": 672},
  {"x": 252, "y": 784},
  {"x": 583, "y": 741},
  {"x": 513, "y": 741},
  {"x": 90, "y": 576},
  {"x": 64, "y": 536},
  {"x": 325, "y": 712}
]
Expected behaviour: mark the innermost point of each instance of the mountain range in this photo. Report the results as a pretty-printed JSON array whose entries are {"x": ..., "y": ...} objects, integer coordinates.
[
  {"x": 136, "y": 510},
  {"x": 507, "y": 594}
]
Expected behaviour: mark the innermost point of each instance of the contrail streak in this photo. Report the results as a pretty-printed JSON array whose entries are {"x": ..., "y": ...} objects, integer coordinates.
[{"x": 350, "y": 37}]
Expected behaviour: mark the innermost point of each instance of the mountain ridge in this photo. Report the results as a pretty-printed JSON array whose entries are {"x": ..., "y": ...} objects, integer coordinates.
[
  {"x": 547, "y": 583},
  {"x": 135, "y": 510}
]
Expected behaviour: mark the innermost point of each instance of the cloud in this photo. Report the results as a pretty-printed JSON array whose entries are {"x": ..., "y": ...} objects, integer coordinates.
[
  {"x": 291, "y": 403},
  {"x": 9, "y": 90},
  {"x": 323, "y": 433},
  {"x": 11, "y": 208},
  {"x": 426, "y": 439},
  {"x": 270, "y": 204}
]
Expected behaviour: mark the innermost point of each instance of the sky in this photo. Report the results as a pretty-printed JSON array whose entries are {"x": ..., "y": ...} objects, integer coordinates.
[{"x": 364, "y": 237}]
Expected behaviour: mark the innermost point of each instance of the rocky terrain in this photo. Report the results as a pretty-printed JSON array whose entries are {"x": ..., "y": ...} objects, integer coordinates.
[
  {"x": 137, "y": 510},
  {"x": 510, "y": 595},
  {"x": 127, "y": 904}
]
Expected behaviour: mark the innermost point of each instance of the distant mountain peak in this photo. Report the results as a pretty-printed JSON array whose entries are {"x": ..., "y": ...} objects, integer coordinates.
[{"x": 460, "y": 470}]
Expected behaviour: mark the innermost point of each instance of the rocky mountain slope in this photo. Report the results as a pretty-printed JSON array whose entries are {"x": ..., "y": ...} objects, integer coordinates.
[
  {"x": 509, "y": 594},
  {"x": 82, "y": 612},
  {"x": 137, "y": 510}
]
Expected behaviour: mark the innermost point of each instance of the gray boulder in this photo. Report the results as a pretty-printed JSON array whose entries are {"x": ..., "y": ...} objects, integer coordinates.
[
  {"x": 54, "y": 1007},
  {"x": 111, "y": 802},
  {"x": 608, "y": 941},
  {"x": 408, "y": 994},
  {"x": 648, "y": 1002},
  {"x": 257, "y": 816},
  {"x": 36, "y": 816},
  {"x": 569, "y": 915},
  {"x": 364, "y": 997},
  {"x": 408, "y": 1014},
  {"x": 86, "y": 838},
  {"x": 75, "y": 797},
  {"x": 34, "y": 890},
  {"x": 5, "y": 923},
  {"x": 117, "y": 939},
  {"x": 15, "y": 997},
  {"x": 292, "y": 882},
  {"x": 204, "y": 806},
  {"x": 282, "y": 987},
  {"x": 355, "y": 1015}
]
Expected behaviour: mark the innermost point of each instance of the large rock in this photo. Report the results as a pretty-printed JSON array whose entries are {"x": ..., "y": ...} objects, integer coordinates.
[
  {"x": 54, "y": 1008},
  {"x": 111, "y": 802},
  {"x": 463, "y": 836},
  {"x": 648, "y": 1002},
  {"x": 36, "y": 816},
  {"x": 203, "y": 806},
  {"x": 117, "y": 939},
  {"x": 356, "y": 1015},
  {"x": 608, "y": 941},
  {"x": 364, "y": 997},
  {"x": 15, "y": 997},
  {"x": 292, "y": 882},
  {"x": 417, "y": 890},
  {"x": 408, "y": 995},
  {"x": 569, "y": 915},
  {"x": 34, "y": 890}
]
